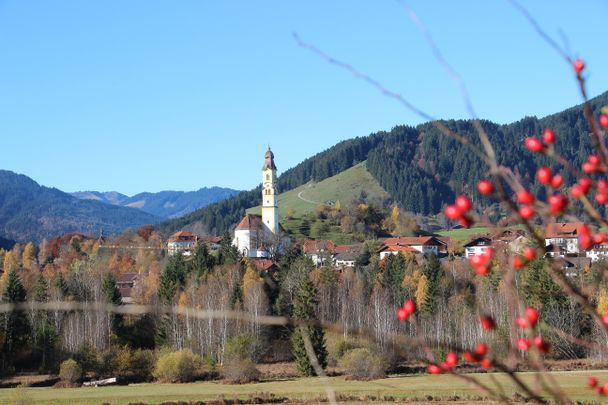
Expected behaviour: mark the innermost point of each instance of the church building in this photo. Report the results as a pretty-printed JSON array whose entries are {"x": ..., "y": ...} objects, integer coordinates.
[{"x": 262, "y": 236}]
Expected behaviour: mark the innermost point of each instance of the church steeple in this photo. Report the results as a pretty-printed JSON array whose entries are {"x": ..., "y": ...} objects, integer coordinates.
[{"x": 270, "y": 208}]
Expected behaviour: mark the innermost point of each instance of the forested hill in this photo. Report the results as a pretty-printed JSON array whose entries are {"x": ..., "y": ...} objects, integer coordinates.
[
  {"x": 30, "y": 212},
  {"x": 420, "y": 167}
]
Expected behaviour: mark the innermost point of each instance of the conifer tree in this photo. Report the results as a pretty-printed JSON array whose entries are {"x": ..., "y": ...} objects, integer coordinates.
[
  {"x": 202, "y": 262},
  {"x": 45, "y": 335},
  {"x": 16, "y": 326},
  {"x": 62, "y": 286},
  {"x": 304, "y": 310}
]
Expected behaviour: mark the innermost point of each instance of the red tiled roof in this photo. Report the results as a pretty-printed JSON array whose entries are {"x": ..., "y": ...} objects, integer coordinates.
[
  {"x": 127, "y": 277},
  {"x": 313, "y": 246},
  {"x": 182, "y": 236},
  {"x": 263, "y": 264},
  {"x": 563, "y": 230},
  {"x": 250, "y": 222},
  {"x": 398, "y": 248},
  {"x": 343, "y": 249}
]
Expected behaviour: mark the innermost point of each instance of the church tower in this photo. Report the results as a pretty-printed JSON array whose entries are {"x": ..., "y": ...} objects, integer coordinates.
[{"x": 270, "y": 206}]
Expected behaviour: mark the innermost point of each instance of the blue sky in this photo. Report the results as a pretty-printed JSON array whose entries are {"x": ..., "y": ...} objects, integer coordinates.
[{"x": 152, "y": 95}]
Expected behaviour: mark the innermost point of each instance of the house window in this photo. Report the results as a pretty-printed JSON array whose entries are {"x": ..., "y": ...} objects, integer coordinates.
[{"x": 267, "y": 176}]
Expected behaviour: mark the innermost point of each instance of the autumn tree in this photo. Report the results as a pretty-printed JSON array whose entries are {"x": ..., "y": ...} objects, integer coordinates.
[{"x": 16, "y": 330}]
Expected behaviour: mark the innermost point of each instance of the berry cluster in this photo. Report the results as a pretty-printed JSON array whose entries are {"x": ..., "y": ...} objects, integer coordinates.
[
  {"x": 478, "y": 356},
  {"x": 409, "y": 307},
  {"x": 529, "y": 321},
  {"x": 481, "y": 263},
  {"x": 458, "y": 211}
]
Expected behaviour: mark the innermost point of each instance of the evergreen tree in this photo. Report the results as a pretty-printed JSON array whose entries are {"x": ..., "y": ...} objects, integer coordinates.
[
  {"x": 45, "y": 335},
  {"x": 236, "y": 295},
  {"x": 16, "y": 326},
  {"x": 202, "y": 262},
  {"x": 62, "y": 286},
  {"x": 112, "y": 296},
  {"x": 304, "y": 310},
  {"x": 432, "y": 271},
  {"x": 228, "y": 254}
]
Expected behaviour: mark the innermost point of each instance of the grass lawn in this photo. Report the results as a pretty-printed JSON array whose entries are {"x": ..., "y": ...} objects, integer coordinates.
[
  {"x": 415, "y": 386},
  {"x": 463, "y": 234}
]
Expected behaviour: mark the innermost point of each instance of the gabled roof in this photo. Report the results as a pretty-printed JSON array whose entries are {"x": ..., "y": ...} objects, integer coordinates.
[
  {"x": 413, "y": 241},
  {"x": 263, "y": 264},
  {"x": 481, "y": 241},
  {"x": 183, "y": 236},
  {"x": 312, "y": 246},
  {"x": 127, "y": 277},
  {"x": 563, "y": 230},
  {"x": 398, "y": 248},
  {"x": 250, "y": 222}
]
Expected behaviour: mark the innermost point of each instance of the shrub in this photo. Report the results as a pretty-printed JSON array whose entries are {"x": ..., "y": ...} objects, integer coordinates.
[
  {"x": 363, "y": 364},
  {"x": 135, "y": 366},
  {"x": 70, "y": 371},
  {"x": 240, "y": 371},
  {"x": 181, "y": 366}
]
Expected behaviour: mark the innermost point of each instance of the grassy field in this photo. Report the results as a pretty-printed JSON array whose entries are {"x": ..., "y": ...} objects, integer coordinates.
[
  {"x": 414, "y": 386},
  {"x": 342, "y": 187},
  {"x": 464, "y": 234}
]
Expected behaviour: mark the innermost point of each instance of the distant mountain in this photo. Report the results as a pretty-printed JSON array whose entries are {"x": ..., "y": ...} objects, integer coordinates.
[
  {"x": 6, "y": 244},
  {"x": 419, "y": 167},
  {"x": 29, "y": 211},
  {"x": 109, "y": 197},
  {"x": 165, "y": 204}
]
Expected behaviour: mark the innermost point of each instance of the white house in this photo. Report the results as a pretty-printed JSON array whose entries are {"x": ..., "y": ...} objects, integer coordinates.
[
  {"x": 183, "y": 242},
  {"x": 561, "y": 239},
  {"x": 598, "y": 252},
  {"x": 415, "y": 245},
  {"x": 478, "y": 246}
]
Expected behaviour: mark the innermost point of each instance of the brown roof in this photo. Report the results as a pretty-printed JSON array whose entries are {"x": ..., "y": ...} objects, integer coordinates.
[
  {"x": 269, "y": 160},
  {"x": 212, "y": 239},
  {"x": 263, "y": 264},
  {"x": 413, "y": 241},
  {"x": 313, "y": 246},
  {"x": 398, "y": 248},
  {"x": 183, "y": 236},
  {"x": 127, "y": 277},
  {"x": 563, "y": 230},
  {"x": 346, "y": 249},
  {"x": 250, "y": 222}
]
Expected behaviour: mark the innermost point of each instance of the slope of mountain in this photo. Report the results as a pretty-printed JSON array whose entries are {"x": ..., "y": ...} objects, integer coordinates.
[
  {"x": 108, "y": 197},
  {"x": 29, "y": 211},
  {"x": 419, "y": 167},
  {"x": 165, "y": 204},
  {"x": 344, "y": 187}
]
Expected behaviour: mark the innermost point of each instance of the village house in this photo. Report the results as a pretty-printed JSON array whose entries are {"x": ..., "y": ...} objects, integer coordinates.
[
  {"x": 598, "y": 252},
  {"x": 182, "y": 242},
  {"x": 126, "y": 284},
  {"x": 319, "y": 251},
  {"x": 478, "y": 246},
  {"x": 561, "y": 239},
  {"x": 414, "y": 245}
]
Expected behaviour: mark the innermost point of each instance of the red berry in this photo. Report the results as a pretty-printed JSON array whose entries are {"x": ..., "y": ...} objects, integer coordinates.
[
  {"x": 602, "y": 185},
  {"x": 486, "y": 363},
  {"x": 544, "y": 175},
  {"x": 589, "y": 167},
  {"x": 481, "y": 349},
  {"x": 521, "y": 322},
  {"x": 599, "y": 238},
  {"x": 453, "y": 212},
  {"x": 592, "y": 382},
  {"x": 451, "y": 359},
  {"x": 485, "y": 187},
  {"x": 468, "y": 357},
  {"x": 409, "y": 306},
  {"x": 526, "y": 212},
  {"x": 557, "y": 203},
  {"x": 601, "y": 198},
  {"x": 576, "y": 191},
  {"x": 482, "y": 270},
  {"x": 487, "y": 323},
  {"x": 557, "y": 181},
  {"x": 525, "y": 197},
  {"x": 434, "y": 369},
  {"x": 605, "y": 320},
  {"x": 523, "y": 344},
  {"x": 541, "y": 344},
  {"x": 578, "y": 66},
  {"x": 481, "y": 259},
  {"x": 594, "y": 160},
  {"x": 463, "y": 202},
  {"x": 585, "y": 184},
  {"x": 465, "y": 221},
  {"x": 529, "y": 253},
  {"x": 402, "y": 314},
  {"x": 604, "y": 120},
  {"x": 534, "y": 144},
  {"x": 549, "y": 136},
  {"x": 518, "y": 263},
  {"x": 584, "y": 238},
  {"x": 532, "y": 316}
]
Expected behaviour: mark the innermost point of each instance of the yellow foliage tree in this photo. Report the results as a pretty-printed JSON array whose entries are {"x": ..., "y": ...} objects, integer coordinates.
[
  {"x": 421, "y": 291},
  {"x": 28, "y": 257},
  {"x": 338, "y": 205},
  {"x": 602, "y": 301},
  {"x": 250, "y": 278},
  {"x": 10, "y": 262}
]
